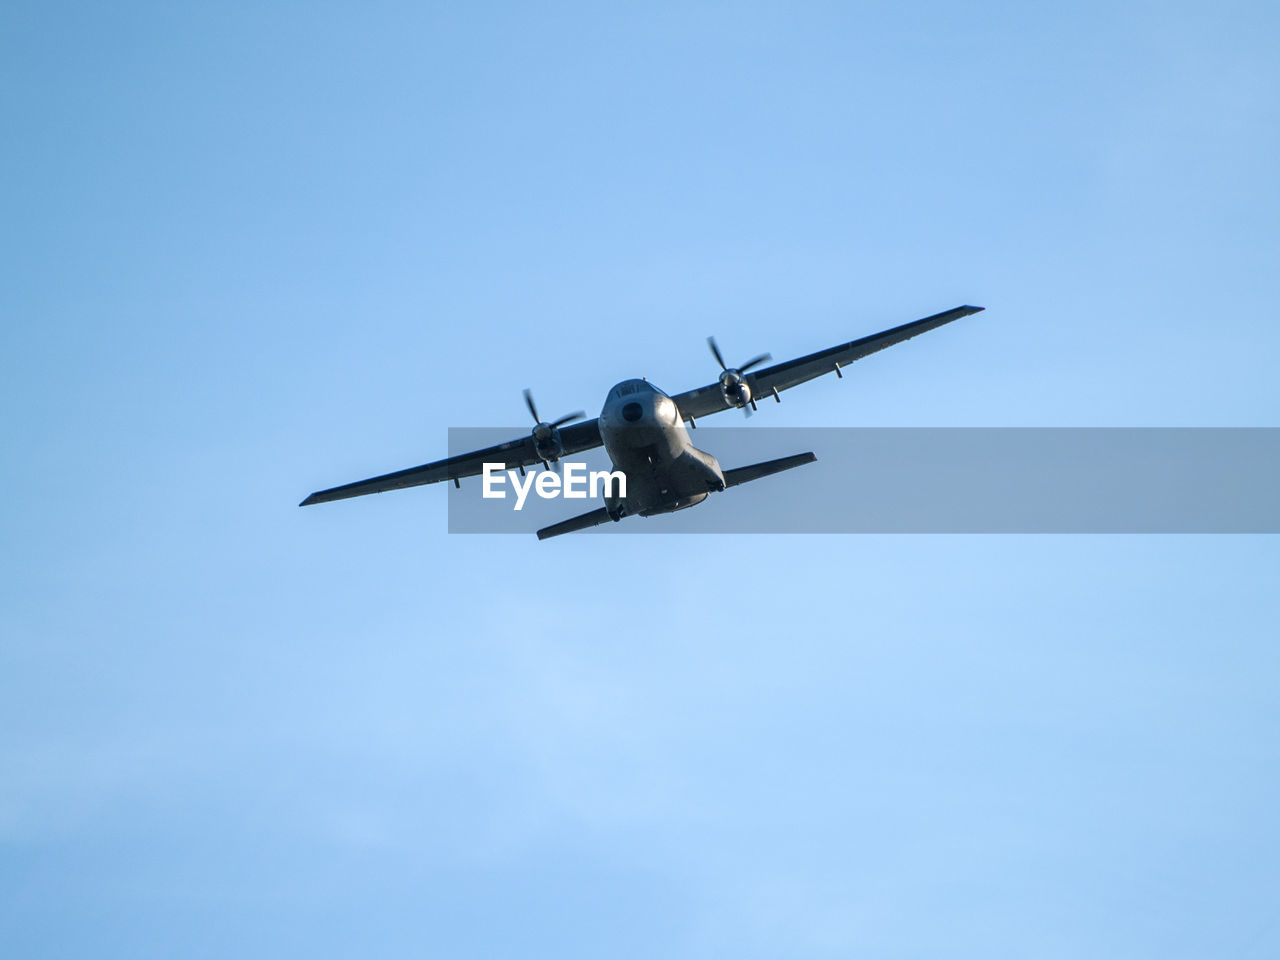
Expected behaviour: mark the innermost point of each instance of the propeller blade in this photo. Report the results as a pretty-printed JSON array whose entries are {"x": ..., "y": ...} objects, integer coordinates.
[
  {"x": 568, "y": 417},
  {"x": 715, "y": 352},
  {"x": 528, "y": 399},
  {"x": 746, "y": 411},
  {"x": 764, "y": 357}
]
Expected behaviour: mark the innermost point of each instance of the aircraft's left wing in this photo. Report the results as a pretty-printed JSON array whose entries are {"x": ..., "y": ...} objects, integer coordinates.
[
  {"x": 782, "y": 376},
  {"x": 514, "y": 453}
]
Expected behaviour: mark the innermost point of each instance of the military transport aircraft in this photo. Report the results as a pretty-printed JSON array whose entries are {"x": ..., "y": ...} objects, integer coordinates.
[{"x": 643, "y": 431}]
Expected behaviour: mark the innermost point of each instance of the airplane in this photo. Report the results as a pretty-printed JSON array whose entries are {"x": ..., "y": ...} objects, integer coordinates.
[{"x": 643, "y": 431}]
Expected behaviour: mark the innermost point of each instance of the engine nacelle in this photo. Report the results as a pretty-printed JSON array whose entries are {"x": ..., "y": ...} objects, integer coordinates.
[
  {"x": 546, "y": 443},
  {"x": 546, "y": 436},
  {"x": 735, "y": 389}
]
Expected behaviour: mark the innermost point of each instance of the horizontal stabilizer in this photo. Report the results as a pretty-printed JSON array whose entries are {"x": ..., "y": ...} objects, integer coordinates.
[
  {"x": 573, "y": 524},
  {"x": 757, "y": 470}
]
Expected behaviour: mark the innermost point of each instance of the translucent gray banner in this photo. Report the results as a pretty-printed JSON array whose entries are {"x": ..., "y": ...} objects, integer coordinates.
[{"x": 940, "y": 480}]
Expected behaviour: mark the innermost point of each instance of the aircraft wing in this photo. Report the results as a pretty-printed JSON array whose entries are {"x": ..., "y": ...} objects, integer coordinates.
[
  {"x": 782, "y": 376},
  {"x": 515, "y": 453}
]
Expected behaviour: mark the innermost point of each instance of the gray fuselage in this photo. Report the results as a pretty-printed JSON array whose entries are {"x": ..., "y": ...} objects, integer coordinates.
[{"x": 647, "y": 440}]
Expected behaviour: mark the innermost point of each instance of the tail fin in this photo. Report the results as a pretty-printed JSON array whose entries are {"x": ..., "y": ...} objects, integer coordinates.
[
  {"x": 757, "y": 470},
  {"x": 592, "y": 519},
  {"x": 731, "y": 479}
]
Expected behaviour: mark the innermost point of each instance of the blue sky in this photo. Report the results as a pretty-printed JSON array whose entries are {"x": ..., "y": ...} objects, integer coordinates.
[{"x": 255, "y": 250}]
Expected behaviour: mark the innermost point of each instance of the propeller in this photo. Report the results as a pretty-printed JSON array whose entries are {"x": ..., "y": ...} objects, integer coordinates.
[
  {"x": 546, "y": 438},
  {"x": 754, "y": 361},
  {"x": 735, "y": 389}
]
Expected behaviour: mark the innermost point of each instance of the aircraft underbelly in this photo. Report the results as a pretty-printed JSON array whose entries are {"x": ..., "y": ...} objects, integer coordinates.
[{"x": 665, "y": 471}]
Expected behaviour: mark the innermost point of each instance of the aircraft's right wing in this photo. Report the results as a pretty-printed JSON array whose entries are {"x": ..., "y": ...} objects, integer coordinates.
[
  {"x": 782, "y": 376},
  {"x": 515, "y": 453}
]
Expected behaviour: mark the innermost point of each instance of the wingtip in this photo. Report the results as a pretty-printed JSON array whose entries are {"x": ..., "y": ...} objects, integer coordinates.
[{"x": 310, "y": 500}]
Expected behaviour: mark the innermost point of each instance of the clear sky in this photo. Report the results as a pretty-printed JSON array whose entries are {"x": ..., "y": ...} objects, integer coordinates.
[{"x": 252, "y": 250}]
